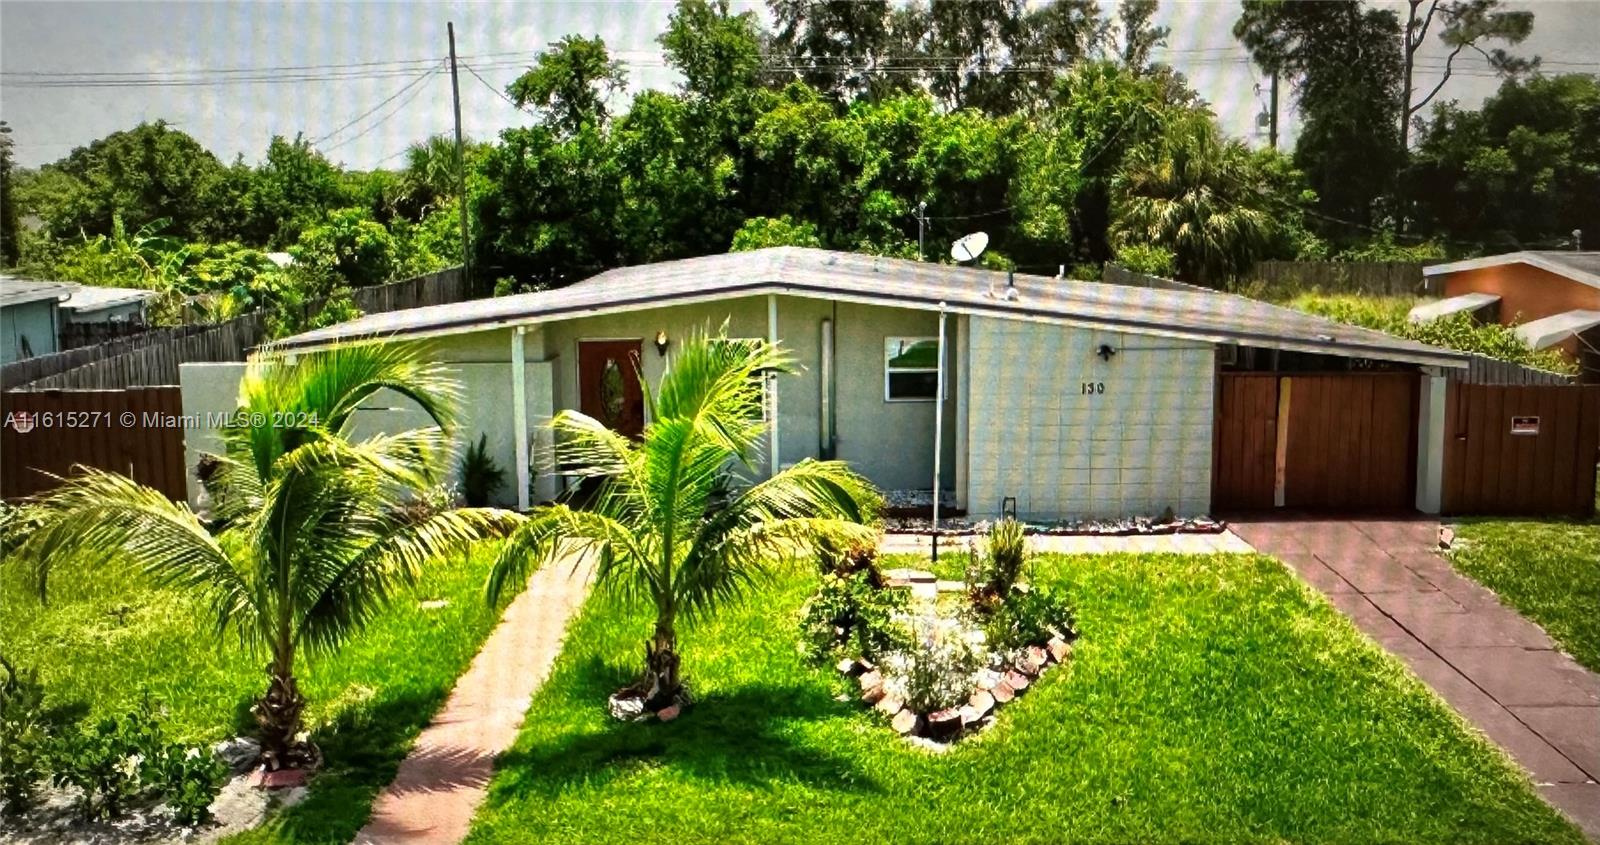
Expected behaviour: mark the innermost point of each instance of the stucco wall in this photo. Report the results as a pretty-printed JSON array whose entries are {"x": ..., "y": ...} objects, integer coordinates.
[
  {"x": 1527, "y": 293},
  {"x": 485, "y": 411},
  {"x": 35, "y": 321},
  {"x": 1141, "y": 446}
]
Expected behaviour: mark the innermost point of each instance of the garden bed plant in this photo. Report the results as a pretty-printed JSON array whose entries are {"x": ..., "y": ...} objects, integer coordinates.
[{"x": 938, "y": 658}]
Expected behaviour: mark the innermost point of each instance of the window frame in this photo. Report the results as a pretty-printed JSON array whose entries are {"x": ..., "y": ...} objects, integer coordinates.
[{"x": 888, "y": 371}]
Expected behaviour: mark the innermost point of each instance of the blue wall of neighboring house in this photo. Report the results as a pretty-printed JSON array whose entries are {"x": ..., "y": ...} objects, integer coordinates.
[{"x": 27, "y": 330}]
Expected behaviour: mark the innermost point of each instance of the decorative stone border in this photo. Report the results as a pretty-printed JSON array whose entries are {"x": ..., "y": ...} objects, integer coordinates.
[
  {"x": 995, "y": 687},
  {"x": 1138, "y": 526}
]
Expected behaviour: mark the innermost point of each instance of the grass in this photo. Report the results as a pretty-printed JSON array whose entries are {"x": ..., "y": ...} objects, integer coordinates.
[
  {"x": 1210, "y": 699},
  {"x": 107, "y": 636},
  {"x": 1548, "y": 571}
]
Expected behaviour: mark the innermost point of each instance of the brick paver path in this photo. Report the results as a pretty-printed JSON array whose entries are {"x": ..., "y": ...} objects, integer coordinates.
[
  {"x": 441, "y": 783},
  {"x": 1496, "y": 668}
]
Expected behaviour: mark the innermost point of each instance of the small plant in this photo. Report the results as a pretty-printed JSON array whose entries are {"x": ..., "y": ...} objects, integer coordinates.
[
  {"x": 187, "y": 779},
  {"x": 103, "y": 762},
  {"x": 24, "y": 737},
  {"x": 938, "y": 669},
  {"x": 1030, "y": 617},
  {"x": 993, "y": 575},
  {"x": 481, "y": 476},
  {"x": 849, "y": 611}
]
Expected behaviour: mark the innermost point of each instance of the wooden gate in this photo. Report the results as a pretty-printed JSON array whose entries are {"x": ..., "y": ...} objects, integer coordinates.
[
  {"x": 1524, "y": 449},
  {"x": 137, "y": 432},
  {"x": 1333, "y": 442}
]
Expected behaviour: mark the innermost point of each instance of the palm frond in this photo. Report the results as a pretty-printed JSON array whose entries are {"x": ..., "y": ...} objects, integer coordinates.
[{"x": 555, "y": 530}]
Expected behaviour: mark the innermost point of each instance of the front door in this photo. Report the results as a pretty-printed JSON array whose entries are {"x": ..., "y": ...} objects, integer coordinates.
[{"x": 608, "y": 384}]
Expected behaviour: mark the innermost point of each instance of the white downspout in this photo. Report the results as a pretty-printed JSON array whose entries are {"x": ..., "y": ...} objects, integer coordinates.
[
  {"x": 519, "y": 414},
  {"x": 938, "y": 421},
  {"x": 772, "y": 384},
  {"x": 826, "y": 429}
]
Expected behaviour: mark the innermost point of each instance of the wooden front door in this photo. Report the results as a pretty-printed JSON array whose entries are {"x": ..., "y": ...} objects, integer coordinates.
[{"x": 608, "y": 384}]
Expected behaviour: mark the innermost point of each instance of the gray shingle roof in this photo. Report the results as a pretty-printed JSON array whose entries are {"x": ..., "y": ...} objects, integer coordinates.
[
  {"x": 1209, "y": 316},
  {"x": 16, "y": 291}
]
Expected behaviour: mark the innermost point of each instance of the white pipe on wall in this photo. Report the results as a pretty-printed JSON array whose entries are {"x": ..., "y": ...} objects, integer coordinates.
[
  {"x": 938, "y": 420},
  {"x": 772, "y": 383},
  {"x": 519, "y": 414}
]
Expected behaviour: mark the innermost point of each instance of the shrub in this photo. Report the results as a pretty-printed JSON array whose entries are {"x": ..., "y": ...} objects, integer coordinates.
[
  {"x": 1457, "y": 331},
  {"x": 481, "y": 476},
  {"x": 23, "y": 737},
  {"x": 186, "y": 778},
  {"x": 1148, "y": 259},
  {"x": 103, "y": 761},
  {"x": 849, "y": 610},
  {"x": 1030, "y": 617},
  {"x": 992, "y": 575},
  {"x": 937, "y": 670}
]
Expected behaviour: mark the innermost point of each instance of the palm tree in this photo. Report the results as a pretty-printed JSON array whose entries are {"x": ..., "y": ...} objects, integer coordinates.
[
  {"x": 1196, "y": 194},
  {"x": 669, "y": 523},
  {"x": 312, "y": 531}
]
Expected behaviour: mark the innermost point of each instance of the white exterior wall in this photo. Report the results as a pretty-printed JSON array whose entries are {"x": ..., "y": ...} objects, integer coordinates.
[{"x": 1140, "y": 447}]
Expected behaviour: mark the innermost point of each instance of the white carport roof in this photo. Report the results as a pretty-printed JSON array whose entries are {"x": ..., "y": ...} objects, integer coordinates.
[
  {"x": 1427, "y": 312},
  {"x": 1545, "y": 333},
  {"x": 91, "y": 298}
]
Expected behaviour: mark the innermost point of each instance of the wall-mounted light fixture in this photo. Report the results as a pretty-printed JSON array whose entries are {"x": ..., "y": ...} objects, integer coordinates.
[
  {"x": 662, "y": 343},
  {"x": 1105, "y": 352}
]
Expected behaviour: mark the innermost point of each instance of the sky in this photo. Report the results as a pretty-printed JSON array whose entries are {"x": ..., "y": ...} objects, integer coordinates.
[{"x": 365, "y": 79}]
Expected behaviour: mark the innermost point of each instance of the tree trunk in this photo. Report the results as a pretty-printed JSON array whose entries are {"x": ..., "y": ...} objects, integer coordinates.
[
  {"x": 278, "y": 717},
  {"x": 662, "y": 686}
]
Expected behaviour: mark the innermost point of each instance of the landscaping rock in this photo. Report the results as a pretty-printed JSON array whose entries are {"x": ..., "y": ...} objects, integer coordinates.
[
  {"x": 849, "y": 666},
  {"x": 944, "y": 724},
  {"x": 1016, "y": 680},
  {"x": 1447, "y": 536},
  {"x": 1059, "y": 649},
  {"x": 626, "y": 708},
  {"x": 278, "y": 779},
  {"x": 1039, "y": 655},
  {"x": 1030, "y": 666},
  {"x": 970, "y": 716},
  {"x": 238, "y": 754},
  {"x": 982, "y": 702},
  {"x": 1003, "y": 692},
  {"x": 905, "y": 722},
  {"x": 987, "y": 679},
  {"x": 668, "y": 713},
  {"x": 889, "y": 705},
  {"x": 871, "y": 687}
]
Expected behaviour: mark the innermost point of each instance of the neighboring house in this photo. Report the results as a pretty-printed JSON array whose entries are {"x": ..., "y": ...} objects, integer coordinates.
[
  {"x": 1553, "y": 297},
  {"x": 1061, "y": 399},
  {"x": 91, "y": 304},
  {"x": 30, "y": 318}
]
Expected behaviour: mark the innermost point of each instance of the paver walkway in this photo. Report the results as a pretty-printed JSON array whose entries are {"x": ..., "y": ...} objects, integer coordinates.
[
  {"x": 440, "y": 784},
  {"x": 1496, "y": 668},
  {"x": 1195, "y": 544}
]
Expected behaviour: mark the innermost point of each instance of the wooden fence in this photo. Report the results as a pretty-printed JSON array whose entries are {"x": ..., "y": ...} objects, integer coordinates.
[
  {"x": 137, "y": 432},
  {"x": 1521, "y": 449},
  {"x": 152, "y": 358},
  {"x": 1482, "y": 369},
  {"x": 1377, "y": 278}
]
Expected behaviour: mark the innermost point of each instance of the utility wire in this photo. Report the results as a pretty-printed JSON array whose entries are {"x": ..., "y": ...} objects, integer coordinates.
[
  {"x": 385, "y": 119},
  {"x": 499, "y": 93},
  {"x": 387, "y": 100}
]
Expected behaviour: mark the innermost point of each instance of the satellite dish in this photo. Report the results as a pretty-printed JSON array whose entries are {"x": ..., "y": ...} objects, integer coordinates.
[{"x": 969, "y": 247}]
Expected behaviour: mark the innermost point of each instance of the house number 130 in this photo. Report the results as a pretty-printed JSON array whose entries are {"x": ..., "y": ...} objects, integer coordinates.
[{"x": 1093, "y": 388}]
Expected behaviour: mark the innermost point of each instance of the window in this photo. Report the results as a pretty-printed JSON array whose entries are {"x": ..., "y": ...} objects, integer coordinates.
[{"x": 910, "y": 369}]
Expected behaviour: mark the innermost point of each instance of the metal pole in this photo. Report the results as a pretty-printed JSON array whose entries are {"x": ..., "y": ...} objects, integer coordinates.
[
  {"x": 938, "y": 427},
  {"x": 461, "y": 164},
  {"x": 1272, "y": 126},
  {"x": 772, "y": 382},
  {"x": 922, "y": 225}
]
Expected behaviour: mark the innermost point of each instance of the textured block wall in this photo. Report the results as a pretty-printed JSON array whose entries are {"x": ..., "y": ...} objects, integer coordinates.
[{"x": 1071, "y": 436}]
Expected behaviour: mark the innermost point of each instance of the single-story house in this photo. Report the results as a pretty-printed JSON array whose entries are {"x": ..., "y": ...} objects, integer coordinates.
[
  {"x": 1552, "y": 296},
  {"x": 1050, "y": 398},
  {"x": 30, "y": 318}
]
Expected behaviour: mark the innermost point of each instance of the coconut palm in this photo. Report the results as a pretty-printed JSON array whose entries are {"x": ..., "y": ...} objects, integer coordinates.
[
  {"x": 313, "y": 530},
  {"x": 671, "y": 520},
  {"x": 1196, "y": 194}
]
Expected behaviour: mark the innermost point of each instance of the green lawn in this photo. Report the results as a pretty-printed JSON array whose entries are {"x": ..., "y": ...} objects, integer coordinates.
[
  {"x": 1548, "y": 571},
  {"x": 1210, "y": 699},
  {"x": 105, "y": 637}
]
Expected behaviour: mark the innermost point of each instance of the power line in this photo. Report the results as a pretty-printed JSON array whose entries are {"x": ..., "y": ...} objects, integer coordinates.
[
  {"x": 499, "y": 93},
  {"x": 385, "y": 119},
  {"x": 387, "y": 100}
]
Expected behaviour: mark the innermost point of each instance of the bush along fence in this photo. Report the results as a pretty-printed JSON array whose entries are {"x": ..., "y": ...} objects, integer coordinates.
[
  {"x": 152, "y": 357},
  {"x": 1372, "y": 278},
  {"x": 117, "y": 406}
]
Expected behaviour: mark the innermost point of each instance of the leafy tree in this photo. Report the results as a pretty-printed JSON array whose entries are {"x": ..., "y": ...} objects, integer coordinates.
[
  {"x": 1344, "y": 60},
  {"x": 1138, "y": 35},
  {"x": 10, "y": 251},
  {"x": 570, "y": 83},
  {"x": 838, "y": 47},
  {"x": 668, "y": 523},
  {"x": 717, "y": 52},
  {"x": 762, "y": 232},
  {"x": 1194, "y": 194},
  {"x": 293, "y": 188},
  {"x": 1523, "y": 171},
  {"x": 315, "y": 534},
  {"x": 350, "y": 245},
  {"x": 1463, "y": 24}
]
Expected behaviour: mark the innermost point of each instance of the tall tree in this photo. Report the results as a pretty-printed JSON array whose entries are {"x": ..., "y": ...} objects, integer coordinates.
[
  {"x": 9, "y": 249},
  {"x": 1139, "y": 36},
  {"x": 836, "y": 46},
  {"x": 1344, "y": 60},
  {"x": 316, "y": 530},
  {"x": 571, "y": 82},
  {"x": 145, "y": 175},
  {"x": 1463, "y": 24},
  {"x": 717, "y": 52}
]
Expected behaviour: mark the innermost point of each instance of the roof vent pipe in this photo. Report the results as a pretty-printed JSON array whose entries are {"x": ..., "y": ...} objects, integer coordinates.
[{"x": 1011, "y": 286}]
